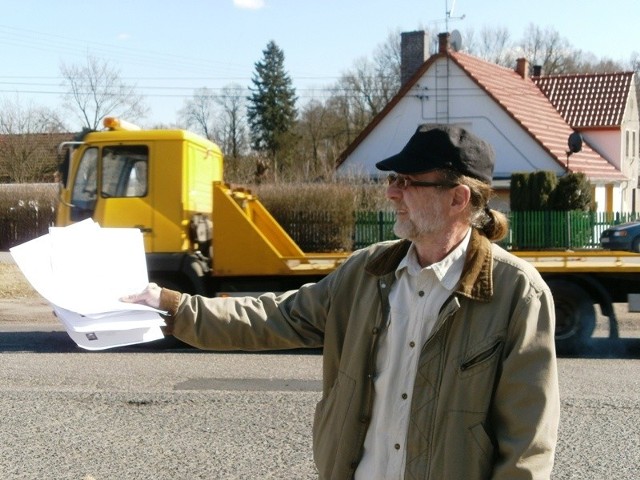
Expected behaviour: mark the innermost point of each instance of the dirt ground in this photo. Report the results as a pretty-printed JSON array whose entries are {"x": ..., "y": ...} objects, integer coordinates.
[
  {"x": 26, "y": 311},
  {"x": 19, "y": 303}
]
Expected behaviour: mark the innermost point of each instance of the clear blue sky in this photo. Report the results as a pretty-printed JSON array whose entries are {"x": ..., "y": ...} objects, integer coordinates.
[{"x": 168, "y": 49}]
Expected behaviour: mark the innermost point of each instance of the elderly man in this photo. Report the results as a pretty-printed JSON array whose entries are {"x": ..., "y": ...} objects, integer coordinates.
[{"x": 439, "y": 357}]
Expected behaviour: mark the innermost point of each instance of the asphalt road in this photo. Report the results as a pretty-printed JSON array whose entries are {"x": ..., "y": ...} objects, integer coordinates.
[{"x": 163, "y": 411}]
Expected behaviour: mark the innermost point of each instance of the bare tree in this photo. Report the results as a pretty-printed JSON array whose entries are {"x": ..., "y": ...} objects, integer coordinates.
[
  {"x": 231, "y": 129},
  {"x": 492, "y": 44},
  {"x": 363, "y": 91},
  {"x": 27, "y": 149},
  {"x": 314, "y": 127},
  {"x": 546, "y": 48},
  {"x": 95, "y": 90},
  {"x": 198, "y": 112},
  {"x": 370, "y": 84},
  {"x": 231, "y": 132}
]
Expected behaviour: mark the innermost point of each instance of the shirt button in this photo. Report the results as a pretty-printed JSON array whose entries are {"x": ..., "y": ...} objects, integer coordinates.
[
  {"x": 412, "y": 344},
  {"x": 421, "y": 293},
  {"x": 397, "y": 446},
  {"x": 404, "y": 396},
  {"x": 375, "y": 330}
]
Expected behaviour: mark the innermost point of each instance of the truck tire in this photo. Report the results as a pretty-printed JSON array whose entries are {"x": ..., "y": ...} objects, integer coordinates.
[{"x": 575, "y": 315}]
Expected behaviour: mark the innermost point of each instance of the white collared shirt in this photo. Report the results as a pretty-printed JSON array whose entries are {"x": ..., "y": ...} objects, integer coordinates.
[{"x": 415, "y": 299}]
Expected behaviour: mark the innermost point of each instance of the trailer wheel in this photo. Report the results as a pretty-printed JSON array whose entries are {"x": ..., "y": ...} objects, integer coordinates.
[{"x": 575, "y": 315}]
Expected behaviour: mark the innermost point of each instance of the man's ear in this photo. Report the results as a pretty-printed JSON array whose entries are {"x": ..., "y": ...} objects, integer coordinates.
[{"x": 461, "y": 197}]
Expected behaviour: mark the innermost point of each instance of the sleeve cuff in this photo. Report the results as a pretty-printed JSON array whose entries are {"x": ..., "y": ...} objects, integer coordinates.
[{"x": 169, "y": 301}]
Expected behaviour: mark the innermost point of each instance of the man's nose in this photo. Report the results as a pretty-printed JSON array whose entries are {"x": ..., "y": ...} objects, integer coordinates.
[{"x": 393, "y": 192}]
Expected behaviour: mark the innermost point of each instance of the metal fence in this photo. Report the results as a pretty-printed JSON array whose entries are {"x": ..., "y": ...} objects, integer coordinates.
[
  {"x": 322, "y": 231},
  {"x": 22, "y": 223},
  {"x": 560, "y": 230},
  {"x": 527, "y": 230}
]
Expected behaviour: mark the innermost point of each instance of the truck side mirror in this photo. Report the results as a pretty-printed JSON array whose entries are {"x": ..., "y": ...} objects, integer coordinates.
[{"x": 63, "y": 168}]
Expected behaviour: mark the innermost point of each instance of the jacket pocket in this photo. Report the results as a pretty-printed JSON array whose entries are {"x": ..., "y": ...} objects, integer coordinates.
[
  {"x": 481, "y": 357},
  {"x": 329, "y": 424}
]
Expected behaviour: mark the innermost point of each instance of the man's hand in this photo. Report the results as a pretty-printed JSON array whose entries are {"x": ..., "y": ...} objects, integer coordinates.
[{"x": 150, "y": 296}]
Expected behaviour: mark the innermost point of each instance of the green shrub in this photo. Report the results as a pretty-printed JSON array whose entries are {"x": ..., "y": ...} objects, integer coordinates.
[{"x": 572, "y": 193}]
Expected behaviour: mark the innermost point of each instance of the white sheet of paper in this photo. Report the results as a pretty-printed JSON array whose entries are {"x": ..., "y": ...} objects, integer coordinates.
[
  {"x": 114, "y": 260},
  {"x": 83, "y": 270},
  {"x": 114, "y": 321},
  {"x": 114, "y": 338}
]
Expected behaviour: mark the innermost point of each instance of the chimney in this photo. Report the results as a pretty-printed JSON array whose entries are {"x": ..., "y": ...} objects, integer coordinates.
[
  {"x": 537, "y": 70},
  {"x": 443, "y": 42},
  {"x": 522, "y": 67},
  {"x": 414, "y": 48}
]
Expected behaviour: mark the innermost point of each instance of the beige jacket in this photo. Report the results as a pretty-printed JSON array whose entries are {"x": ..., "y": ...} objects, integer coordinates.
[{"x": 485, "y": 401}]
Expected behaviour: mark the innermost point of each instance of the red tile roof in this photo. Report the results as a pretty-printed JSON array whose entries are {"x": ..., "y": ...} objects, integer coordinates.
[
  {"x": 588, "y": 100},
  {"x": 524, "y": 102}
]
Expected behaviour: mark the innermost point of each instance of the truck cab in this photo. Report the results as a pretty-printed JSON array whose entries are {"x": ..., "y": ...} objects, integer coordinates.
[{"x": 154, "y": 180}]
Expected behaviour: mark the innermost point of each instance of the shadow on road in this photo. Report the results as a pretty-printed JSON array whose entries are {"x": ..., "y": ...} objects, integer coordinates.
[
  {"x": 59, "y": 342},
  {"x": 622, "y": 348}
]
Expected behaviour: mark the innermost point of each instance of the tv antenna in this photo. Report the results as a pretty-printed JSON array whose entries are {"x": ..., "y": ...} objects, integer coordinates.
[{"x": 448, "y": 13}]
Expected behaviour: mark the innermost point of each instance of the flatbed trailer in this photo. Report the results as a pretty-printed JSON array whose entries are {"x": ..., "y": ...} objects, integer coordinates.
[{"x": 581, "y": 279}]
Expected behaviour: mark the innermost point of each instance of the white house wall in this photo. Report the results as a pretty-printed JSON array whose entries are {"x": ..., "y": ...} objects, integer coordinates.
[
  {"x": 607, "y": 143},
  {"x": 468, "y": 106},
  {"x": 600, "y": 197},
  {"x": 611, "y": 144}
]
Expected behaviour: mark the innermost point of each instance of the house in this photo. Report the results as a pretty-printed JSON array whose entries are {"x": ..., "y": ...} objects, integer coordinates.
[
  {"x": 501, "y": 105},
  {"x": 603, "y": 107}
]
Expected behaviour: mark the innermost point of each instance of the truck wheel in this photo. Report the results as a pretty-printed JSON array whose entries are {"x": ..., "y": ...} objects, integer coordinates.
[
  {"x": 636, "y": 245},
  {"x": 575, "y": 315}
]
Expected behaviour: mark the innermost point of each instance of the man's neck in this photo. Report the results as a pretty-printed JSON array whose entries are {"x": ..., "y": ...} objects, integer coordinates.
[{"x": 434, "y": 247}]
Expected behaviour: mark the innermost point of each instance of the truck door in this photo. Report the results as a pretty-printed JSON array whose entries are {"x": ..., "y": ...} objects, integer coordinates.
[{"x": 124, "y": 199}]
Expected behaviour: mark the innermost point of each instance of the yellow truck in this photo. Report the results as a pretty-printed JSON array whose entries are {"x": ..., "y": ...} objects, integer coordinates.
[{"x": 202, "y": 236}]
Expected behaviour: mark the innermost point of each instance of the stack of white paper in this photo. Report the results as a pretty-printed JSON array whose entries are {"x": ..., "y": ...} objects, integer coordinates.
[{"x": 83, "y": 270}]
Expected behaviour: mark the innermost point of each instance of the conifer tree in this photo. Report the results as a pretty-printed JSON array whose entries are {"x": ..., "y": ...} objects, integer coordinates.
[{"x": 271, "y": 110}]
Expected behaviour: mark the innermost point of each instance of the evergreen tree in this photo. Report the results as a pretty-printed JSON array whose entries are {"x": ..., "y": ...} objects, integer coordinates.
[{"x": 271, "y": 111}]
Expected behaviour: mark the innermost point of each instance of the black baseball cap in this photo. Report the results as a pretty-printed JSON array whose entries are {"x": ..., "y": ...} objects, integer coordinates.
[{"x": 443, "y": 147}]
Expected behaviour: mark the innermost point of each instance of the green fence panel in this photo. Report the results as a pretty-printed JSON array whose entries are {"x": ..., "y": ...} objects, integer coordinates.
[
  {"x": 372, "y": 227},
  {"x": 560, "y": 230},
  {"x": 533, "y": 230}
]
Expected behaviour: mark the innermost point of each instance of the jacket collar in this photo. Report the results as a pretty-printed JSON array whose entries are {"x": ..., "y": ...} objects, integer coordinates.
[{"x": 476, "y": 281}]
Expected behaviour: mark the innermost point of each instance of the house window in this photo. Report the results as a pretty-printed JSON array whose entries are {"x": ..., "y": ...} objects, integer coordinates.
[{"x": 626, "y": 144}]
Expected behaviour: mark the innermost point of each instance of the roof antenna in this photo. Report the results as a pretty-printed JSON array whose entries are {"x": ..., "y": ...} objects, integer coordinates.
[{"x": 448, "y": 11}]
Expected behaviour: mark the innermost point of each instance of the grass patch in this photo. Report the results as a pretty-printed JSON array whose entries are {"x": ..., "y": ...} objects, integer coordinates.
[{"x": 13, "y": 284}]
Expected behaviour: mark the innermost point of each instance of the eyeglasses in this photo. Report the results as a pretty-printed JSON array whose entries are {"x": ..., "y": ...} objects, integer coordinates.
[{"x": 403, "y": 182}]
